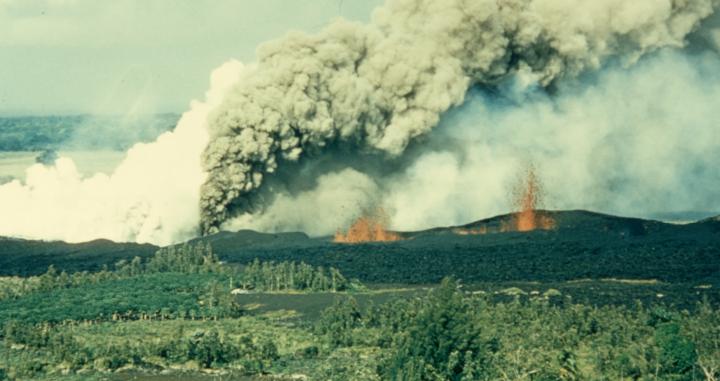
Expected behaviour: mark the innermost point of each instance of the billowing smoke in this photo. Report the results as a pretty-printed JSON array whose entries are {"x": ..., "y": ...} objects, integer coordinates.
[
  {"x": 639, "y": 142},
  {"x": 375, "y": 89},
  {"x": 429, "y": 112},
  {"x": 150, "y": 197}
]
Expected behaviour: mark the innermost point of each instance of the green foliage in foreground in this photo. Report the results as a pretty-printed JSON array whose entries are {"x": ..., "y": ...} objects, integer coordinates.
[
  {"x": 40, "y": 316},
  {"x": 446, "y": 335},
  {"x": 177, "y": 311},
  {"x": 450, "y": 335},
  {"x": 105, "y": 347},
  {"x": 441, "y": 342}
]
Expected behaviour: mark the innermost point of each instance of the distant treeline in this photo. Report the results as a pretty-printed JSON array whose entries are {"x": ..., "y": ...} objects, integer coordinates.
[
  {"x": 271, "y": 276},
  {"x": 37, "y": 133},
  {"x": 185, "y": 281}
]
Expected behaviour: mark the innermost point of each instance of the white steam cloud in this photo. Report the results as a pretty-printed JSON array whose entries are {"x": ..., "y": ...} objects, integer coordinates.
[
  {"x": 378, "y": 87},
  {"x": 151, "y": 196},
  {"x": 636, "y": 142}
]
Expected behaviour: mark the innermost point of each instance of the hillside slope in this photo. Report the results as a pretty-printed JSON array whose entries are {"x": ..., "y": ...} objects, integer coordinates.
[
  {"x": 27, "y": 257},
  {"x": 581, "y": 245}
]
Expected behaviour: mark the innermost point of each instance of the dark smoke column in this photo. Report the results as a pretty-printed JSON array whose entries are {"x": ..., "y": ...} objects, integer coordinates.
[{"x": 378, "y": 86}]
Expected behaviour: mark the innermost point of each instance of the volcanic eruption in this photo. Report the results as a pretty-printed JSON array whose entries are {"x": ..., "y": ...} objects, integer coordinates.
[
  {"x": 375, "y": 88},
  {"x": 368, "y": 228},
  {"x": 527, "y": 196},
  {"x": 424, "y": 110}
]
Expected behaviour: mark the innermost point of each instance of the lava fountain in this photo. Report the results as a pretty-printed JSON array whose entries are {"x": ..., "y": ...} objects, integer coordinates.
[
  {"x": 528, "y": 195},
  {"x": 368, "y": 228}
]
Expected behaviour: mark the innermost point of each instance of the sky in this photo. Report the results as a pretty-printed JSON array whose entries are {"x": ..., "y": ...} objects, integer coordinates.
[{"x": 138, "y": 56}]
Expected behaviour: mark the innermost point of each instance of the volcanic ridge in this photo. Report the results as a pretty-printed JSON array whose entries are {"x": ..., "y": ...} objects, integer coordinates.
[{"x": 578, "y": 245}]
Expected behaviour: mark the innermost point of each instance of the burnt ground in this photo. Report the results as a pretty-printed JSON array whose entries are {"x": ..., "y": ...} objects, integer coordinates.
[{"x": 583, "y": 245}]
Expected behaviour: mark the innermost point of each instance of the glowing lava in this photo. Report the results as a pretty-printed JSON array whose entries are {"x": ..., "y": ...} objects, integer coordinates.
[
  {"x": 369, "y": 228},
  {"x": 528, "y": 195}
]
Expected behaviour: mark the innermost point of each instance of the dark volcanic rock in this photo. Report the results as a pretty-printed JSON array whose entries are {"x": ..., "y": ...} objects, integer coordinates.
[
  {"x": 227, "y": 241},
  {"x": 26, "y": 257},
  {"x": 582, "y": 245},
  {"x": 573, "y": 222}
]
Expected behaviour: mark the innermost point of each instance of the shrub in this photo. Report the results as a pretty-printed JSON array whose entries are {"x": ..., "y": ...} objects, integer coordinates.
[
  {"x": 677, "y": 353},
  {"x": 440, "y": 343},
  {"x": 310, "y": 352},
  {"x": 338, "y": 321}
]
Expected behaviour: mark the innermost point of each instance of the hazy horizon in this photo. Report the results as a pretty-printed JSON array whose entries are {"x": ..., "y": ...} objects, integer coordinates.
[{"x": 69, "y": 57}]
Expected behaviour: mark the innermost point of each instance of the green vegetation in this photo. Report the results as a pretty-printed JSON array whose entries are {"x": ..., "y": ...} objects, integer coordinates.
[
  {"x": 183, "y": 310},
  {"x": 441, "y": 341},
  {"x": 447, "y": 334},
  {"x": 452, "y": 335},
  {"x": 150, "y": 296},
  {"x": 46, "y": 319},
  {"x": 284, "y": 276},
  {"x": 242, "y": 344},
  {"x": 188, "y": 260}
]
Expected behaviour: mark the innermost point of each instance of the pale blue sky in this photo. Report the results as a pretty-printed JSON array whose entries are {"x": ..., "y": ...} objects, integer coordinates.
[{"x": 120, "y": 56}]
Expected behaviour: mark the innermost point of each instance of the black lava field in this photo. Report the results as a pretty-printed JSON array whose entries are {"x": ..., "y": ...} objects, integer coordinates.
[{"x": 583, "y": 245}]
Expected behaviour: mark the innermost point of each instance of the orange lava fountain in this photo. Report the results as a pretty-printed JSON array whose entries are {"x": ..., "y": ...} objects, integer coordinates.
[
  {"x": 528, "y": 195},
  {"x": 368, "y": 228},
  {"x": 527, "y": 202}
]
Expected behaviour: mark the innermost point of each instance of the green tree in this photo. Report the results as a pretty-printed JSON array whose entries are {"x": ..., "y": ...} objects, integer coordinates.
[
  {"x": 440, "y": 343},
  {"x": 677, "y": 353},
  {"x": 47, "y": 280},
  {"x": 338, "y": 322}
]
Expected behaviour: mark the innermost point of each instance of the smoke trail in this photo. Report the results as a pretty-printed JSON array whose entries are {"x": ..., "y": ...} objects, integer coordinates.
[
  {"x": 378, "y": 87},
  {"x": 150, "y": 197}
]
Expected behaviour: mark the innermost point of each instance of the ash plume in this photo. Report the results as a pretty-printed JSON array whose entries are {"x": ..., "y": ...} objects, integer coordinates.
[{"x": 376, "y": 88}]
